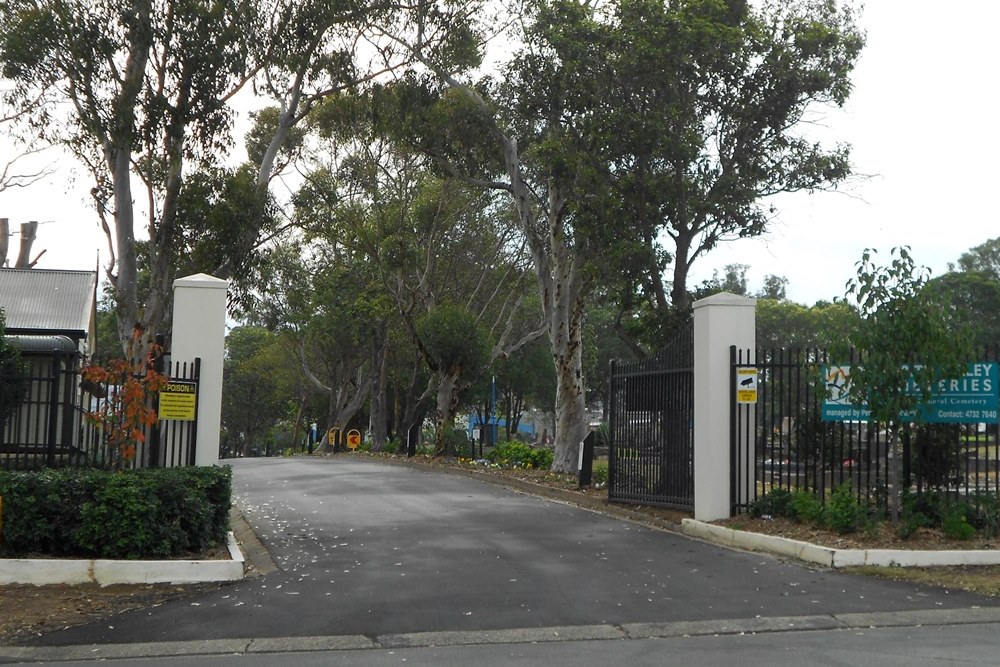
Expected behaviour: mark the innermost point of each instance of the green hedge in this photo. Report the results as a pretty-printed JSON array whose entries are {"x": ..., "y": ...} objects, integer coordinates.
[{"x": 158, "y": 513}]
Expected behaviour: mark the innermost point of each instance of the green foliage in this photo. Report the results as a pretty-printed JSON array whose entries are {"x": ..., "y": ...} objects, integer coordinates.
[
  {"x": 785, "y": 324},
  {"x": 515, "y": 454},
  {"x": 908, "y": 342},
  {"x": 148, "y": 513},
  {"x": 776, "y": 502},
  {"x": 955, "y": 524},
  {"x": 453, "y": 339},
  {"x": 455, "y": 442},
  {"x": 600, "y": 473},
  {"x": 843, "y": 513},
  {"x": 911, "y": 522},
  {"x": 983, "y": 258},
  {"x": 390, "y": 447},
  {"x": 987, "y": 518},
  {"x": 807, "y": 507},
  {"x": 907, "y": 339},
  {"x": 936, "y": 455},
  {"x": 974, "y": 298}
]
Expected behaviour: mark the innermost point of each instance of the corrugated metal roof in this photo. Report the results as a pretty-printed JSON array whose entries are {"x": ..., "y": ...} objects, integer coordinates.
[{"x": 43, "y": 300}]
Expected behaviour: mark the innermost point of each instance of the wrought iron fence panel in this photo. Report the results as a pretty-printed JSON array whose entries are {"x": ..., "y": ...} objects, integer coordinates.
[
  {"x": 782, "y": 441},
  {"x": 651, "y": 428}
]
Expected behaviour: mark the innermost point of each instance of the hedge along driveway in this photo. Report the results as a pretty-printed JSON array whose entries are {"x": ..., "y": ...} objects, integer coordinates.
[{"x": 137, "y": 514}]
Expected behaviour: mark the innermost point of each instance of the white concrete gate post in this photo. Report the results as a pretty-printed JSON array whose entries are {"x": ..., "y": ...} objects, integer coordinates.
[
  {"x": 720, "y": 321},
  {"x": 199, "y": 330}
]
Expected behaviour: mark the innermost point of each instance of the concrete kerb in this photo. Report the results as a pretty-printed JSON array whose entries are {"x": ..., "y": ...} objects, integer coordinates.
[
  {"x": 104, "y": 572},
  {"x": 831, "y": 557},
  {"x": 44, "y": 571},
  {"x": 633, "y": 631}
]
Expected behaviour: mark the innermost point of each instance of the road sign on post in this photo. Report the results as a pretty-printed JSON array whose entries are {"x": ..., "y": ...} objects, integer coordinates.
[{"x": 353, "y": 439}]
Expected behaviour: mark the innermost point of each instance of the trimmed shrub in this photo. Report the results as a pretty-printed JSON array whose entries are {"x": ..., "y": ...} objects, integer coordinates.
[
  {"x": 843, "y": 513},
  {"x": 955, "y": 524},
  {"x": 807, "y": 507},
  {"x": 456, "y": 442},
  {"x": 134, "y": 514},
  {"x": 777, "y": 502},
  {"x": 515, "y": 454}
]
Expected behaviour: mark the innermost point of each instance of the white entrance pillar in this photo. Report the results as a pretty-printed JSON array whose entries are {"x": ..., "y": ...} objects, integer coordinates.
[
  {"x": 720, "y": 321},
  {"x": 199, "y": 330}
]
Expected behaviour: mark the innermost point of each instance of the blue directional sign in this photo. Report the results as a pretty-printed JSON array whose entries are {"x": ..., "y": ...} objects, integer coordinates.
[{"x": 970, "y": 399}]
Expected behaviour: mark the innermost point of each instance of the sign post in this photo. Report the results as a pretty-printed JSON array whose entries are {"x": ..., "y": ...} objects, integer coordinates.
[{"x": 353, "y": 439}]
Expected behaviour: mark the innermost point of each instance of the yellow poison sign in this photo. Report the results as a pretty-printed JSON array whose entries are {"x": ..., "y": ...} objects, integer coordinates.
[{"x": 178, "y": 401}]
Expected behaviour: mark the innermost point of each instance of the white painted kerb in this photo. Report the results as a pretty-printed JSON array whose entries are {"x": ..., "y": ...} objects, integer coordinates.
[
  {"x": 43, "y": 571},
  {"x": 830, "y": 557}
]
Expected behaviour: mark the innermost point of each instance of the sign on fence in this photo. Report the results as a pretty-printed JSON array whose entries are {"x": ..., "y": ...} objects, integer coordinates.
[
  {"x": 178, "y": 401},
  {"x": 746, "y": 384},
  {"x": 972, "y": 398}
]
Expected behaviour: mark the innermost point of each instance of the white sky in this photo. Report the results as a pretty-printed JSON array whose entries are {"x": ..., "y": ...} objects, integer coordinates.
[{"x": 922, "y": 122}]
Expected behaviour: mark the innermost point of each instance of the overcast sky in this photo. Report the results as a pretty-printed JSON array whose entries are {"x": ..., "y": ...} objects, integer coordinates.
[{"x": 922, "y": 122}]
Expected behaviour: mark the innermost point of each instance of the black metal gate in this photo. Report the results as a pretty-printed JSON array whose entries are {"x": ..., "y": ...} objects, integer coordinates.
[{"x": 651, "y": 427}]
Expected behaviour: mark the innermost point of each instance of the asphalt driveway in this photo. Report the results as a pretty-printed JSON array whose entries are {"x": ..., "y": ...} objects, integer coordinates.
[{"x": 369, "y": 549}]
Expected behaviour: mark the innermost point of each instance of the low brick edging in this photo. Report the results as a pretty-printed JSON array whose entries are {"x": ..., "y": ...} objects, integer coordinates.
[
  {"x": 42, "y": 571},
  {"x": 831, "y": 557}
]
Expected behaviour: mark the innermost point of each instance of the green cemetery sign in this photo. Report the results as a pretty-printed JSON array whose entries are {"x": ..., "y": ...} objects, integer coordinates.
[{"x": 972, "y": 398}]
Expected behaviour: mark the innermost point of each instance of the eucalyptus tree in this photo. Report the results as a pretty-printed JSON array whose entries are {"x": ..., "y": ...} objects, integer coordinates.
[
  {"x": 984, "y": 258},
  {"x": 252, "y": 402},
  {"x": 144, "y": 87},
  {"x": 140, "y": 92},
  {"x": 618, "y": 122},
  {"x": 716, "y": 102},
  {"x": 448, "y": 255}
]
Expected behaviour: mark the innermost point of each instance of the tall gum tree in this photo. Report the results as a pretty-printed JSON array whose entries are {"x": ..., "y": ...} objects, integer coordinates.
[
  {"x": 618, "y": 123},
  {"x": 540, "y": 149},
  {"x": 716, "y": 104},
  {"x": 449, "y": 255},
  {"x": 146, "y": 84},
  {"x": 139, "y": 91}
]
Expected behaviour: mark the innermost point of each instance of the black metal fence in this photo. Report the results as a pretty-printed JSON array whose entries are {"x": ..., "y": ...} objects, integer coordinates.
[
  {"x": 651, "y": 428},
  {"x": 47, "y": 428},
  {"x": 782, "y": 441}
]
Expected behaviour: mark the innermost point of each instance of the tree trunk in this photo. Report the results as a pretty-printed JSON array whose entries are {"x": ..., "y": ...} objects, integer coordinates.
[
  {"x": 447, "y": 402},
  {"x": 893, "y": 472},
  {"x": 4, "y": 240},
  {"x": 28, "y": 231},
  {"x": 378, "y": 419},
  {"x": 571, "y": 418},
  {"x": 678, "y": 292},
  {"x": 126, "y": 278}
]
